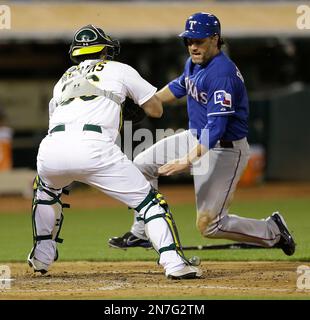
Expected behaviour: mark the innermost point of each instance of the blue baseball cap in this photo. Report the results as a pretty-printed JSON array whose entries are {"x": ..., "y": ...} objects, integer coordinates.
[{"x": 201, "y": 25}]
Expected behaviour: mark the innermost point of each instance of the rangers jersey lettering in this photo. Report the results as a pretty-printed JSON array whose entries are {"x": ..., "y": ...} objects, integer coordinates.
[{"x": 214, "y": 89}]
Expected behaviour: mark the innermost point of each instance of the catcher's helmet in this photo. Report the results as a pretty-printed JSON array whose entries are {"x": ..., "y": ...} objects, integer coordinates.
[
  {"x": 91, "y": 39},
  {"x": 201, "y": 25}
]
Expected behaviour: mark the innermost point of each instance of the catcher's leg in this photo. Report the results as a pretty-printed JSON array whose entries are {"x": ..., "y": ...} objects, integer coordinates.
[
  {"x": 160, "y": 228},
  {"x": 123, "y": 181},
  {"x": 47, "y": 220}
]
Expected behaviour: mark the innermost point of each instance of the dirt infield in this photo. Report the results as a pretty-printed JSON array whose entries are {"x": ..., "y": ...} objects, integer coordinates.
[{"x": 145, "y": 280}]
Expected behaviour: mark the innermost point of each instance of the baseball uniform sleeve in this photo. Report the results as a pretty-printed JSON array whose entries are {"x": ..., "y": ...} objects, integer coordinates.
[
  {"x": 177, "y": 86},
  {"x": 213, "y": 131},
  {"x": 221, "y": 93},
  {"x": 52, "y": 106},
  {"x": 137, "y": 88}
]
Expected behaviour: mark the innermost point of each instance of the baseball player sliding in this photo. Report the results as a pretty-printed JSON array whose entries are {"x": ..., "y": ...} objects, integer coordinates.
[
  {"x": 217, "y": 106},
  {"x": 80, "y": 146}
]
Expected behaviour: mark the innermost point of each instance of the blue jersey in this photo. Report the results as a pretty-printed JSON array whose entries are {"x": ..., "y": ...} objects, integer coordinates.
[{"x": 216, "y": 98}]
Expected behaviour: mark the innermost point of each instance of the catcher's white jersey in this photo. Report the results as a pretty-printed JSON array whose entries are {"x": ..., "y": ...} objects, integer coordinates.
[
  {"x": 91, "y": 94},
  {"x": 93, "y": 91}
]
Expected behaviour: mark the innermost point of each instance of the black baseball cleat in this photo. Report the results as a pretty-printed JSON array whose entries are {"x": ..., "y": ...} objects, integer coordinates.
[
  {"x": 129, "y": 240},
  {"x": 286, "y": 242}
]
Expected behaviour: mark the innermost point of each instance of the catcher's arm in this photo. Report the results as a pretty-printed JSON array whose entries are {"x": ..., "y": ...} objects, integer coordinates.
[
  {"x": 153, "y": 107},
  {"x": 52, "y": 106},
  {"x": 165, "y": 95}
]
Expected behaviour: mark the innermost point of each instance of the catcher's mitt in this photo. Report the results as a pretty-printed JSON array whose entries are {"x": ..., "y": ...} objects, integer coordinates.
[{"x": 132, "y": 112}]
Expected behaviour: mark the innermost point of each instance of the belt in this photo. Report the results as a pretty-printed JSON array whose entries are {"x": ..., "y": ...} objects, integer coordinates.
[
  {"x": 86, "y": 127},
  {"x": 226, "y": 144}
]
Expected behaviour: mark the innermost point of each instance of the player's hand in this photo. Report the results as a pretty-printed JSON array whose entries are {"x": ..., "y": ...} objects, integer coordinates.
[{"x": 174, "y": 167}]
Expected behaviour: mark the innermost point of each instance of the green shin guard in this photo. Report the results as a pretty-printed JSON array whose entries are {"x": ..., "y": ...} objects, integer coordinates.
[
  {"x": 153, "y": 198},
  {"x": 58, "y": 206}
]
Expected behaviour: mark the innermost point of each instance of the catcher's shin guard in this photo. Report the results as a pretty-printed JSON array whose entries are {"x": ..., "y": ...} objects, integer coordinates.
[
  {"x": 154, "y": 198},
  {"x": 45, "y": 196}
]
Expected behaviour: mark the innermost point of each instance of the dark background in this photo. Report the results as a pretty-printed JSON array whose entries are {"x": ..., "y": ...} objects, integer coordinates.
[{"x": 276, "y": 73}]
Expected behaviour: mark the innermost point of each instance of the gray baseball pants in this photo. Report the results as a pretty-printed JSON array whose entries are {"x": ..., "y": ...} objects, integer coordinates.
[{"x": 215, "y": 179}]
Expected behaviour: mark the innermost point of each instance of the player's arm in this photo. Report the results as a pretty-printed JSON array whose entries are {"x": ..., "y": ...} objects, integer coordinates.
[
  {"x": 165, "y": 95},
  {"x": 141, "y": 92},
  {"x": 173, "y": 91},
  {"x": 213, "y": 132},
  {"x": 52, "y": 106},
  {"x": 220, "y": 108},
  {"x": 153, "y": 107},
  {"x": 183, "y": 164}
]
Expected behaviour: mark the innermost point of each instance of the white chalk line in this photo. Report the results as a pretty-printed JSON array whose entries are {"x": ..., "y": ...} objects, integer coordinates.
[
  {"x": 62, "y": 290},
  {"x": 7, "y": 280},
  {"x": 122, "y": 287},
  {"x": 237, "y": 288}
]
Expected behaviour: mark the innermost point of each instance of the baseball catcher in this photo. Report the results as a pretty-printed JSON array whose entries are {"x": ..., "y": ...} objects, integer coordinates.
[{"x": 80, "y": 146}]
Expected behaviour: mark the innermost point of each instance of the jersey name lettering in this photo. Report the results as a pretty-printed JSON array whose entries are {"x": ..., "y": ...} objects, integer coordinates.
[{"x": 239, "y": 74}]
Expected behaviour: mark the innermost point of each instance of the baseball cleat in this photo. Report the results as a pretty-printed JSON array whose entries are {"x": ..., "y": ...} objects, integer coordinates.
[
  {"x": 286, "y": 242},
  {"x": 188, "y": 272},
  {"x": 129, "y": 240},
  {"x": 37, "y": 265}
]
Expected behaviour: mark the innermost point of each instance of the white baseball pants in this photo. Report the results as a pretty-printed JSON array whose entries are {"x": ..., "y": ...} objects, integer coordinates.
[{"x": 93, "y": 158}]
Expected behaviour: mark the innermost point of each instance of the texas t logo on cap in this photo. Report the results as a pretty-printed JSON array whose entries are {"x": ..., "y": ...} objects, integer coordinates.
[{"x": 192, "y": 23}]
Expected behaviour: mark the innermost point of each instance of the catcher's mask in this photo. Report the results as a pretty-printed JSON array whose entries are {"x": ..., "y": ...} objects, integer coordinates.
[{"x": 90, "y": 40}]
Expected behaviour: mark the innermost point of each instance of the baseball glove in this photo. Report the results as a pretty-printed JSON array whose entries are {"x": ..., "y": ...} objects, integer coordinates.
[{"x": 132, "y": 112}]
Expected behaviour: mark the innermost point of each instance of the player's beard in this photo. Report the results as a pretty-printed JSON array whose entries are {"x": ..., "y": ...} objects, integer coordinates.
[
  {"x": 199, "y": 58},
  {"x": 202, "y": 58}
]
